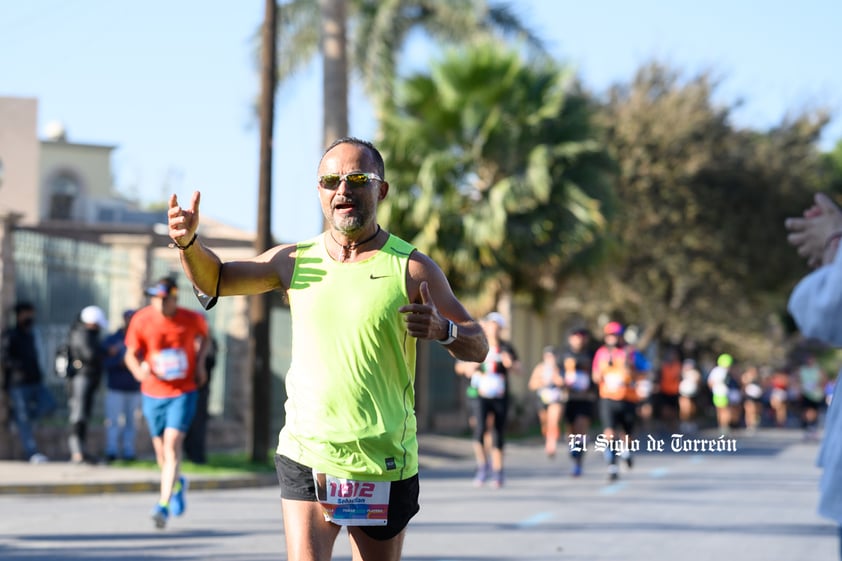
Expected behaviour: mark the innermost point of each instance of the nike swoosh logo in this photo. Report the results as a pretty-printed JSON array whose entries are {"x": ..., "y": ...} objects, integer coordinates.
[{"x": 372, "y": 276}]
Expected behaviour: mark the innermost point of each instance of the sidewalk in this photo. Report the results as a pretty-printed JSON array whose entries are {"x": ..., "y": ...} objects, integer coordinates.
[{"x": 65, "y": 478}]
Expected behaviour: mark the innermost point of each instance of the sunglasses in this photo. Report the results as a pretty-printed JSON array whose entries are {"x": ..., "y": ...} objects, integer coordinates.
[{"x": 331, "y": 181}]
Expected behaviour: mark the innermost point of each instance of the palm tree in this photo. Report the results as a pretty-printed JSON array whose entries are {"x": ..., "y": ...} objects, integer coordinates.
[
  {"x": 377, "y": 30},
  {"x": 501, "y": 181},
  {"x": 334, "y": 47}
]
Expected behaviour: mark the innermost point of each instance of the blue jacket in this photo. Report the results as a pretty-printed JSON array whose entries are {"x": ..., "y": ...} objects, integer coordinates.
[{"x": 119, "y": 377}]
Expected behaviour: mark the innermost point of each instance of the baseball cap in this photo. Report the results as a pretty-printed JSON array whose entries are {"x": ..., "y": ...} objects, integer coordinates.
[
  {"x": 725, "y": 360},
  {"x": 613, "y": 328},
  {"x": 578, "y": 330},
  {"x": 497, "y": 318},
  {"x": 165, "y": 287},
  {"x": 93, "y": 315}
]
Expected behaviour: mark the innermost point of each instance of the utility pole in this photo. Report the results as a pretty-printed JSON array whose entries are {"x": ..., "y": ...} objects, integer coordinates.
[{"x": 260, "y": 305}]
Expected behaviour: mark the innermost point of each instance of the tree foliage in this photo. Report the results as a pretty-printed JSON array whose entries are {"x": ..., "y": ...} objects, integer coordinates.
[
  {"x": 496, "y": 173},
  {"x": 833, "y": 169},
  {"x": 379, "y": 30},
  {"x": 701, "y": 248}
]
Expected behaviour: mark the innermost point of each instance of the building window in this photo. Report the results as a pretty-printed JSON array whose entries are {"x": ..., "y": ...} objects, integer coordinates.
[{"x": 64, "y": 190}]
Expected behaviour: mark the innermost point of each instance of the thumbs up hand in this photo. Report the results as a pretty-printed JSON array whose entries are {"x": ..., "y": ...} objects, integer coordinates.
[{"x": 423, "y": 321}]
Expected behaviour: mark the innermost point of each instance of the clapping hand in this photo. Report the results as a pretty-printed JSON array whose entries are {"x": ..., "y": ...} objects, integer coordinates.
[{"x": 812, "y": 234}]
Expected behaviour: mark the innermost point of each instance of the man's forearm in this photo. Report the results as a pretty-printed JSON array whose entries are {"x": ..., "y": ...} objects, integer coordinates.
[
  {"x": 471, "y": 344},
  {"x": 202, "y": 267}
]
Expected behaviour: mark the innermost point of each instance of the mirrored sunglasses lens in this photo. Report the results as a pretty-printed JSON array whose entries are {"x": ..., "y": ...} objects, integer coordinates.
[
  {"x": 329, "y": 181},
  {"x": 357, "y": 178}
]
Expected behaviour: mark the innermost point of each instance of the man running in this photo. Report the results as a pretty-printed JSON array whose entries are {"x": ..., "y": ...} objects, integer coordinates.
[
  {"x": 165, "y": 351},
  {"x": 577, "y": 362},
  {"x": 360, "y": 298}
]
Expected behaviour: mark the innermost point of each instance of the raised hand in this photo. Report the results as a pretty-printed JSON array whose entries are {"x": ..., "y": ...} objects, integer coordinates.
[
  {"x": 811, "y": 232},
  {"x": 183, "y": 222}
]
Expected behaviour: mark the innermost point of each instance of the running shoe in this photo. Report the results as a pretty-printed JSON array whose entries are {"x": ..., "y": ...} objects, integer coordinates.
[
  {"x": 480, "y": 477},
  {"x": 38, "y": 458},
  {"x": 497, "y": 479},
  {"x": 178, "y": 500},
  {"x": 160, "y": 514}
]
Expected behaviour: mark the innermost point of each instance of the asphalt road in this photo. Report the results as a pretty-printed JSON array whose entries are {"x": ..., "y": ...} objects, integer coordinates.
[{"x": 754, "y": 504}]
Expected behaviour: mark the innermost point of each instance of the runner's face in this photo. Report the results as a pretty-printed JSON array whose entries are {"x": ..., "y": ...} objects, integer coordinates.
[
  {"x": 167, "y": 305},
  {"x": 350, "y": 209}
]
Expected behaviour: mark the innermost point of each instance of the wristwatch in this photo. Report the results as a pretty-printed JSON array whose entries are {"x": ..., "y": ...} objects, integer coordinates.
[{"x": 452, "y": 332}]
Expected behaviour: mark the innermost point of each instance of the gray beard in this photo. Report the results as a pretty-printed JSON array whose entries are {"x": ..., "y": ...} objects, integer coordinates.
[{"x": 348, "y": 224}]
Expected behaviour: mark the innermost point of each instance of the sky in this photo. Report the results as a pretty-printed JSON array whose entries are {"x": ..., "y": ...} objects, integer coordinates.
[{"x": 173, "y": 84}]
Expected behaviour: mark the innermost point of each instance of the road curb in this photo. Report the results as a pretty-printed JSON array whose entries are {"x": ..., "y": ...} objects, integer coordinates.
[{"x": 150, "y": 486}]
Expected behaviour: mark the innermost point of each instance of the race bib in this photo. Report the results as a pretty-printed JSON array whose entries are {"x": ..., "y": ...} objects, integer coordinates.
[
  {"x": 171, "y": 364},
  {"x": 720, "y": 389},
  {"x": 644, "y": 388},
  {"x": 348, "y": 502},
  {"x": 578, "y": 380},
  {"x": 614, "y": 380},
  {"x": 688, "y": 388},
  {"x": 492, "y": 385},
  {"x": 734, "y": 396},
  {"x": 754, "y": 391},
  {"x": 550, "y": 395}
]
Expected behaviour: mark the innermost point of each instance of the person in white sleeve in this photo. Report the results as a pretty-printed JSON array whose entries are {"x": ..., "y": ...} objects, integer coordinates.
[{"x": 816, "y": 306}]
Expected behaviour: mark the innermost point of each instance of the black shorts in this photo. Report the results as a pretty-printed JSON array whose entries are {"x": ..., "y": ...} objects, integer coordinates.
[
  {"x": 808, "y": 403},
  {"x": 297, "y": 485},
  {"x": 578, "y": 408},
  {"x": 618, "y": 415},
  {"x": 668, "y": 401}
]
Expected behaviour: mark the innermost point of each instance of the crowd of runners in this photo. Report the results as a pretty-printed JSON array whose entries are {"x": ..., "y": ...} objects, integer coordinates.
[{"x": 604, "y": 389}]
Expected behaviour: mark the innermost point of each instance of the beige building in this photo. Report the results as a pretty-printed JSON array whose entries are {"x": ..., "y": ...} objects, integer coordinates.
[
  {"x": 19, "y": 158},
  {"x": 69, "y": 239},
  {"x": 55, "y": 179}
]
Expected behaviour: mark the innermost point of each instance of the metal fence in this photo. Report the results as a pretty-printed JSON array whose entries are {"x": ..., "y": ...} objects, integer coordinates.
[{"x": 60, "y": 276}]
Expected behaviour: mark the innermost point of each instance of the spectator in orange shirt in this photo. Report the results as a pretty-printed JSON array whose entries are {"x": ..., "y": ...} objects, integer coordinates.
[{"x": 667, "y": 383}]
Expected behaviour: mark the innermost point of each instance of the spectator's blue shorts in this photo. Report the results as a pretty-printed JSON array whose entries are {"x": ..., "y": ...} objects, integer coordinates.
[{"x": 169, "y": 412}]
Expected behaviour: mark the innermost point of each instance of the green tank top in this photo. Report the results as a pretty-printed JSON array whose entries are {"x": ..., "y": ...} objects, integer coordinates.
[{"x": 350, "y": 409}]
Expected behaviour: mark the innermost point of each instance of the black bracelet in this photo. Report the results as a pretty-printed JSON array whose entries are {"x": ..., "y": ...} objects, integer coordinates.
[{"x": 175, "y": 245}]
